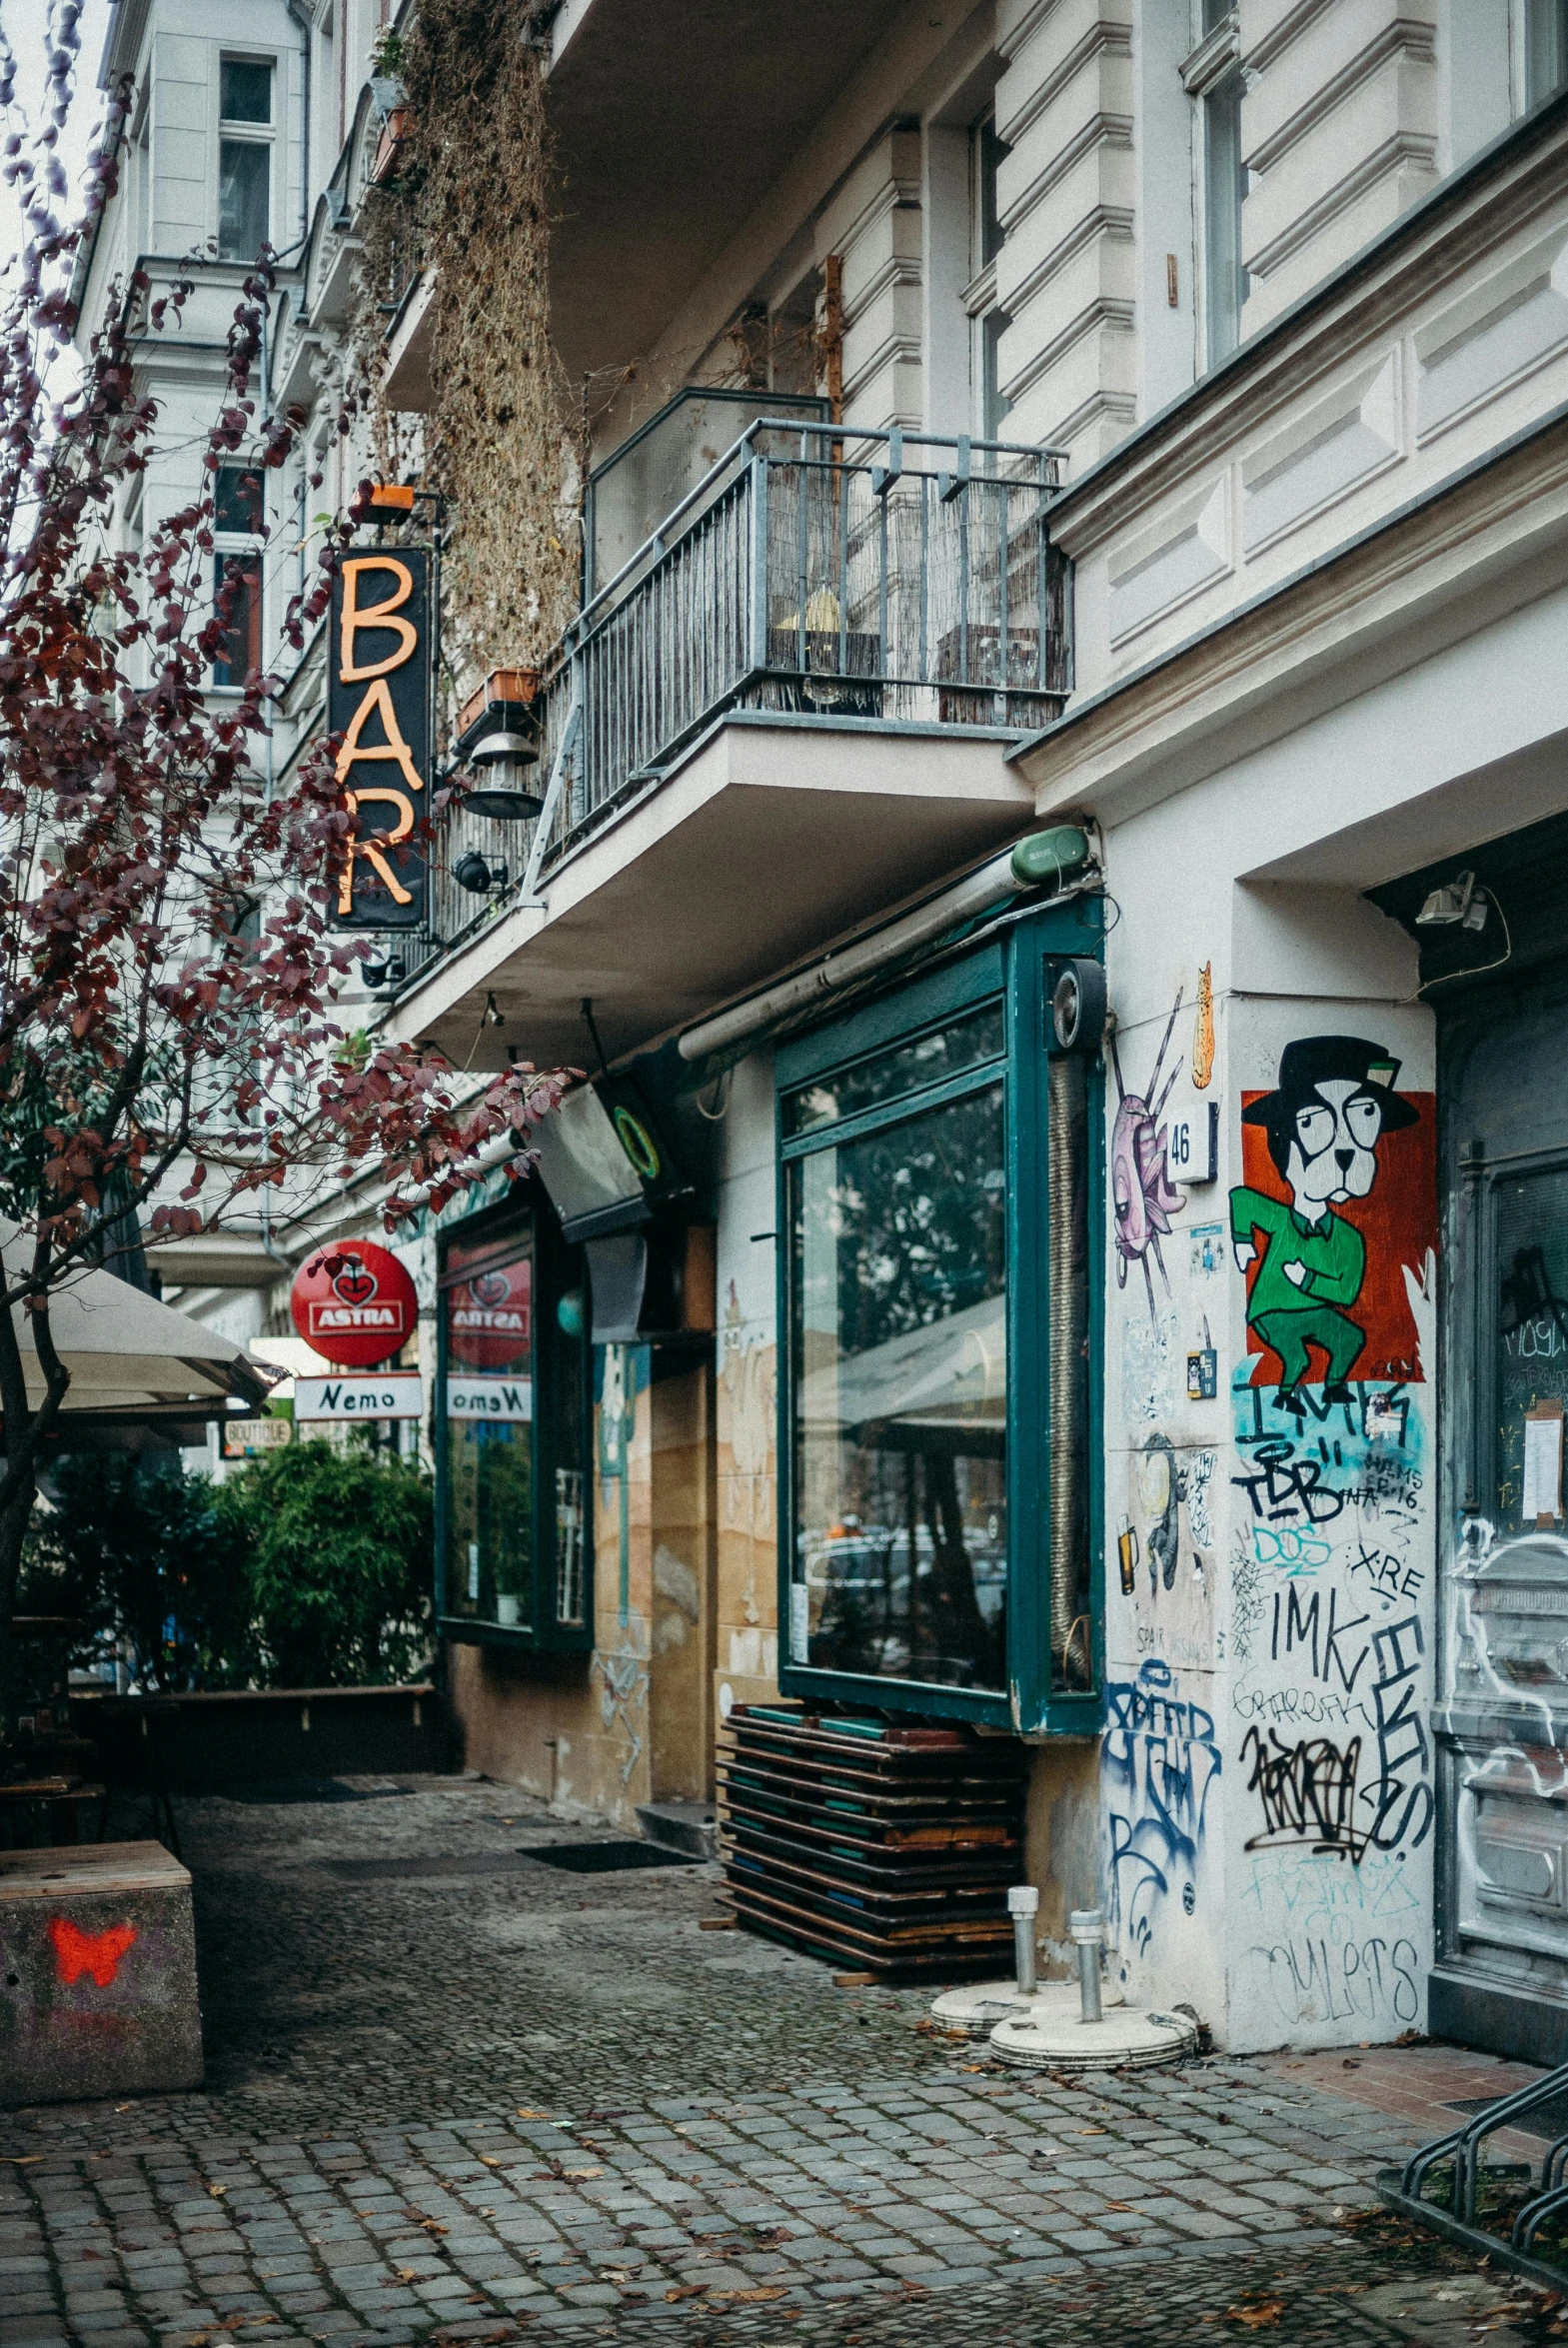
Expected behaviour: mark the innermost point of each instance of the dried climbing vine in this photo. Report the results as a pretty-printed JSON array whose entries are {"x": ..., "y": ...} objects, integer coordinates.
[{"x": 470, "y": 203}]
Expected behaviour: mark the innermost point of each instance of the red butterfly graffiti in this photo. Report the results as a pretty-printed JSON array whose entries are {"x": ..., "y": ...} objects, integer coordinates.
[{"x": 99, "y": 1954}]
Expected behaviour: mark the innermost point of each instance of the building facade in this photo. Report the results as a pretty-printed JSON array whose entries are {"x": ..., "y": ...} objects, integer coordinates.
[{"x": 1082, "y": 498}]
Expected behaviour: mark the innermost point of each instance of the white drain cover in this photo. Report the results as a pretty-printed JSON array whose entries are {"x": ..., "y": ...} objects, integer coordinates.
[
  {"x": 1059, "y": 2041},
  {"x": 979, "y": 2005}
]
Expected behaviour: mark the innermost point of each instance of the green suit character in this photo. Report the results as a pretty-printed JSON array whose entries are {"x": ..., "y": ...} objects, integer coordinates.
[
  {"x": 1309, "y": 1273},
  {"x": 1335, "y": 1099}
]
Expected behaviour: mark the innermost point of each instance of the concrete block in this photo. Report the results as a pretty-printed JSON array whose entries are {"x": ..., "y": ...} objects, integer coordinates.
[{"x": 98, "y": 1988}]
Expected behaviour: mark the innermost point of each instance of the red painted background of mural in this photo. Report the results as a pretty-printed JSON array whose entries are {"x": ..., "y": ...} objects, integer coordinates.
[{"x": 1398, "y": 1222}]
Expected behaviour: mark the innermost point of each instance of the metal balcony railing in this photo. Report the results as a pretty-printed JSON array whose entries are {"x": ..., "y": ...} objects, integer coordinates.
[{"x": 817, "y": 570}]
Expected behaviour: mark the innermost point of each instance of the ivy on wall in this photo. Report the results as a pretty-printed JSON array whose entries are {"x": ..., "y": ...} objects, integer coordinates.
[{"x": 469, "y": 204}]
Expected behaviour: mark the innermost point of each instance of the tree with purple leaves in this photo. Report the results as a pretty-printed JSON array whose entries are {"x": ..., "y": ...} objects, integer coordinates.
[{"x": 168, "y": 979}]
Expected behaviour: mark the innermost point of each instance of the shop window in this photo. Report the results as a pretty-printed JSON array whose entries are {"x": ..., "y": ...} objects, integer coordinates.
[
  {"x": 1531, "y": 1346},
  {"x": 935, "y": 1174},
  {"x": 513, "y": 1407}
]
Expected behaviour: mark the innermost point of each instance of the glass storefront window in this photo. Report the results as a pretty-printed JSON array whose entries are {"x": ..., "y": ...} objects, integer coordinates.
[
  {"x": 891, "y": 1075},
  {"x": 1531, "y": 1361},
  {"x": 488, "y": 1334},
  {"x": 941, "y": 1255},
  {"x": 515, "y": 1431},
  {"x": 900, "y": 1389}
]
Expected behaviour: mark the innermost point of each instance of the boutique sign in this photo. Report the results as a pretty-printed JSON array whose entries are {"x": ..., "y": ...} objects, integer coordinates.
[{"x": 379, "y": 700}]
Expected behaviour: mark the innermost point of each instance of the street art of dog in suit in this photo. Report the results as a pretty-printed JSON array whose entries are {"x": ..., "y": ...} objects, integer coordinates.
[{"x": 1334, "y": 1101}]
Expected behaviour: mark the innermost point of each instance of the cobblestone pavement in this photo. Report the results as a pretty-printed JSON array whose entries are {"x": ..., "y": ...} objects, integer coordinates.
[{"x": 454, "y": 2096}]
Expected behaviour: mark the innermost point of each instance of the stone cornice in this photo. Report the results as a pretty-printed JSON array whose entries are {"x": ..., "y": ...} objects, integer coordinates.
[{"x": 1160, "y": 729}]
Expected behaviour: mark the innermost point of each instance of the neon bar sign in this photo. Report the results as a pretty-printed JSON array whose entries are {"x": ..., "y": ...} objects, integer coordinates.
[{"x": 378, "y": 699}]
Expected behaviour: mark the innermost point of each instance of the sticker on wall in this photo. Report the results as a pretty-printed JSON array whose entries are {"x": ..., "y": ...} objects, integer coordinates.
[
  {"x": 1203, "y": 1032},
  {"x": 1207, "y": 1254},
  {"x": 1338, "y": 1198},
  {"x": 1143, "y": 1198}
]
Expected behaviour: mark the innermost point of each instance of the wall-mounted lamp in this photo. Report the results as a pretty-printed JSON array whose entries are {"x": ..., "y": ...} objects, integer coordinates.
[
  {"x": 476, "y": 875},
  {"x": 501, "y": 760},
  {"x": 1458, "y": 902}
]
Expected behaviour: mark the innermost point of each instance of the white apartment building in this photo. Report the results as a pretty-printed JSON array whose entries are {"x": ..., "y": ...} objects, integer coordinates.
[{"x": 1086, "y": 493}]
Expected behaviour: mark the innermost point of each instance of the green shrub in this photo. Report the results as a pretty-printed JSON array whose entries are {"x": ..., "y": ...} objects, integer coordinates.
[
  {"x": 135, "y": 1548},
  {"x": 339, "y": 1548}
]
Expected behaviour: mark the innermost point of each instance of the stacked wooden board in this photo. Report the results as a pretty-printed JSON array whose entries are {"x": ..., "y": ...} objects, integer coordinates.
[{"x": 888, "y": 1846}]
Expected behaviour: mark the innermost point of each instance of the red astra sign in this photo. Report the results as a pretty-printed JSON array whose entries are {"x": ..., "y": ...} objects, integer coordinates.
[
  {"x": 354, "y": 1304},
  {"x": 489, "y": 1317}
]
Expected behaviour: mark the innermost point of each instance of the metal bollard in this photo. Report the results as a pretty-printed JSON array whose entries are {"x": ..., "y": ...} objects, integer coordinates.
[
  {"x": 1088, "y": 1927},
  {"x": 1022, "y": 1905}
]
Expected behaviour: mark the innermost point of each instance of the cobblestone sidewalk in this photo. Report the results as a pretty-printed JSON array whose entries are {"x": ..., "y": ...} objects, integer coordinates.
[{"x": 778, "y": 2160}]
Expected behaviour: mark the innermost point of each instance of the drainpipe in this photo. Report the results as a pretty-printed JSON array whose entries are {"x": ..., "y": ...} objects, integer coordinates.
[{"x": 1055, "y": 858}]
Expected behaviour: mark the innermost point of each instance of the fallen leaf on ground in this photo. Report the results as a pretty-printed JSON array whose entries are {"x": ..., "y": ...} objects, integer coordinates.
[
  {"x": 20, "y": 2160},
  {"x": 490, "y": 2160},
  {"x": 761, "y": 2291},
  {"x": 1255, "y": 2314},
  {"x": 526, "y": 2111},
  {"x": 217, "y": 2191},
  {"x": 685, "y": 2290},
  {"x": 583, "y": 2172},
  {"x": 1088, "y": 2131},
  {"x": 433, "y": 2226}
]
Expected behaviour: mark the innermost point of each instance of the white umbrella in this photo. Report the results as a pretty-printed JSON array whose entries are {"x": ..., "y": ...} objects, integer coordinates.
[{"x": 126, "y": 1352}]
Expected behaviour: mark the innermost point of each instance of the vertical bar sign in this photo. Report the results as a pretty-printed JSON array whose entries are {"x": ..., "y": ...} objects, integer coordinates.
[{"x": 378, "y": 699}]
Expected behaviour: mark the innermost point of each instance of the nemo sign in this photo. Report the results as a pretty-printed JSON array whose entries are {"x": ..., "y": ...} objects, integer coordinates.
[
  {"x": 355, "y": 1303},
  {"x": 378, "y": 699}
]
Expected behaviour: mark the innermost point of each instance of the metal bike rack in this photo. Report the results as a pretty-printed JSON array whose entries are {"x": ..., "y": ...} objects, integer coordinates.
[{"x": 1461, "y": 2152}]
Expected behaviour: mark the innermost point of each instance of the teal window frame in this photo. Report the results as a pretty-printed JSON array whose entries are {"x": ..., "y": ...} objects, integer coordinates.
[
  {"x": 557, "y": 1268},
  {"x": 1018, "y": 965}
]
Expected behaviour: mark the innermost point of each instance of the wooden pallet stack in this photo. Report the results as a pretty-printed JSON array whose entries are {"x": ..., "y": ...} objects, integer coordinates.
[{"x": 888, "y": 1845}]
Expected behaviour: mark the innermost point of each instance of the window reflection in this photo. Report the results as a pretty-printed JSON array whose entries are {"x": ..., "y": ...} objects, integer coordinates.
[
  {"x": 901, "y": 1390},
  {"x": 1532, "y": 1322},
  {"x": 488, "y": 1327}
]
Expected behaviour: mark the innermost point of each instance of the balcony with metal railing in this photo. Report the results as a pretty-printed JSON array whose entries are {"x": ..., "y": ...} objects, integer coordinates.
[{"x": 818, "y": 573}]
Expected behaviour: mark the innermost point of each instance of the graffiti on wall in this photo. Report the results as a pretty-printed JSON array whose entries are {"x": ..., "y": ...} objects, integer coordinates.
[
  {"x": 1338, "y": 1197},
  {"x": 1165, "y": 1551},
  {"x": 1271, "y": 1604},
  {"x": 1334, "y": 1228},
  {"x": 1143, "y": 1198},
  {"x": 1159, "y": 1760},
  {"x": 97, "y": 1954}
]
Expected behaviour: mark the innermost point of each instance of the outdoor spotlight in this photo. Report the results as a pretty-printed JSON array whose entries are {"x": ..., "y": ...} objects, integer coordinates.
[
  {"x": 471, "y": 872},
  {"x": 500, "y": 758},
  {"x": 1458, "y": 900},
  {"x": 384, "y": 970},
  {"x": 1077, "y": 1007}
]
